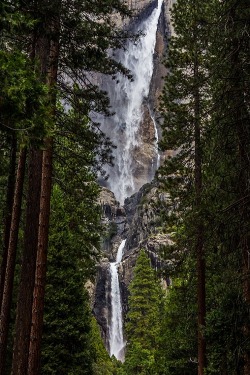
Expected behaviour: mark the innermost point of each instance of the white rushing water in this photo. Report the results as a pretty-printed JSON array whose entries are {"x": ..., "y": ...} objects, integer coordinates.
[
  {"x": 116, "y": 340},
  {"x": 126, "y": 99},
  {"x": 158, "y": 159}
]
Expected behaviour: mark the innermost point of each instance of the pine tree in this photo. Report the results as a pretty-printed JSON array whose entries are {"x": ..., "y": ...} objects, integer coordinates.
[
  {"x": 228, "y": 175},
  {"x": 143, "y": 319},
  {"x": 66, "y": 345},
  {"x": 185, "y": 104},
  {"x": 223, "y": 118},
  {"x": 178, "y": 342},
  {"x": 103, "y": 364}
]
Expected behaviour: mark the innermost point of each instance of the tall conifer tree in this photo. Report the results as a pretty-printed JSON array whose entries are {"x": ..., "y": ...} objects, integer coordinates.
[
  {"x": 229, "y": 160},
  {"x": 185, "y": 104},
  {"x": 143, "y": 319}
]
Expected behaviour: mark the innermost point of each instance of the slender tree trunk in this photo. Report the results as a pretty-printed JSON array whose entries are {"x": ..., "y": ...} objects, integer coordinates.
[
  {"x": 11, "y": 259},
  {"x": 241, "y": 119},
  {"x": 27, "y": 277},
  {"x": 40, "y": 277},
  {"x": 9, "y": 204},
  {"x": 244, "y": 212},
  {"x": 246, "y": 294},
  {"x": 201, "y": 299},
  {"x": 199, "y": 247}
]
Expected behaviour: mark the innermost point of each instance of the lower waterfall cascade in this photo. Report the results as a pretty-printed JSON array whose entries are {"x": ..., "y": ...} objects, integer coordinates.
[{"x": 116, "y": 340}]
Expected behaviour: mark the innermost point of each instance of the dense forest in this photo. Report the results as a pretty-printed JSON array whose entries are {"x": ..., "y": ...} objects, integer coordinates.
[{"x": 51, "y": 156}]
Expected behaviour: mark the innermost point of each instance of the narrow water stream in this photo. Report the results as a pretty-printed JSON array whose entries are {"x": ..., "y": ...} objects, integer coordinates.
[{"x": 116, "y": 340}]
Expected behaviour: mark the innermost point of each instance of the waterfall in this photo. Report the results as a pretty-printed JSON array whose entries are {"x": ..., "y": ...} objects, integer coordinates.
[
  {"x": 116, "y": 341},
  {"x": 158, "y": 159},
  {"x": 127, "y": 99}
]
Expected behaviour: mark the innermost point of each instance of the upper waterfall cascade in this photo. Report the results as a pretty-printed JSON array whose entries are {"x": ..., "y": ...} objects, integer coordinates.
[
  {"x": 127, "y": 98},
  {"x": 116, "y": 340}
]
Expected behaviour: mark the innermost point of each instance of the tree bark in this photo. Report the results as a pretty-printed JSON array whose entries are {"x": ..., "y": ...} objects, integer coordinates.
[
  {"x": 9, "y": 204},
  {"x": 11, "y": 259},
  {"x": 27, "y": 277},
  {"x": 201, "y": 300},
  {"x": 199, "y": 246},
  {"x": 40, "y": 277},
  {"x": 241, "y": 120}
]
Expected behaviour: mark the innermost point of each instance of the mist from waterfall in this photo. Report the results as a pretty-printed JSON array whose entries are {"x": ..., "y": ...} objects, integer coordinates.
[
  {"x": 126, "y": 99},
  {"x": 116, "y": 340}
]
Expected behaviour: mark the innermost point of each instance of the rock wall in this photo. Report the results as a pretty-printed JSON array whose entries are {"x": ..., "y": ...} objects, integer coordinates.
[{"x": 139, "y": 221}]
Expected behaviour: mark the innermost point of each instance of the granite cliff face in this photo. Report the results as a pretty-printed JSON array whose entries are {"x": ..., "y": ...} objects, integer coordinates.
[{"x": 138, "y": 220}]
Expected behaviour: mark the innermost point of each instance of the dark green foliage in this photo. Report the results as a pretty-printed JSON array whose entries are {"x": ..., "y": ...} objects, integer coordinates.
[
  {"x": 214, "y": 36},
  {"x": 23, "y": 103},
  {"x": 103, "y": 364},
  {"x": 67, "y": 324},
  {"x": 143, "y": 319},
  {"x": 178, "y": 346}
]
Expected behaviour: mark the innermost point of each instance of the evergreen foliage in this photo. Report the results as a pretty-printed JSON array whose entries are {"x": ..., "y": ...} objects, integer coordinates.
[
  {"x": 143, "y": 319},
  {"x": 178, "y": 347},
  {"x": 103, "y": 364},
  {"x": 218, "y": 31},
  {"x": 67, "y": 321}
]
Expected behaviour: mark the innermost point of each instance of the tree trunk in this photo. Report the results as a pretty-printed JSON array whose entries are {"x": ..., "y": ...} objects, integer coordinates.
[
  {"x": 27, "y": 277},
  {"x": 9, "y": 204},
  {"x": 40, "y": 277},
  {"x": 11, "y": 258},
  {"x": 242, "y": 121},
  {"x": 201, "y": 299},
  {"x": 244, "y": 213},
  {"x": 39, "y": 289},
  {"x": 199, "y": 247}
]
